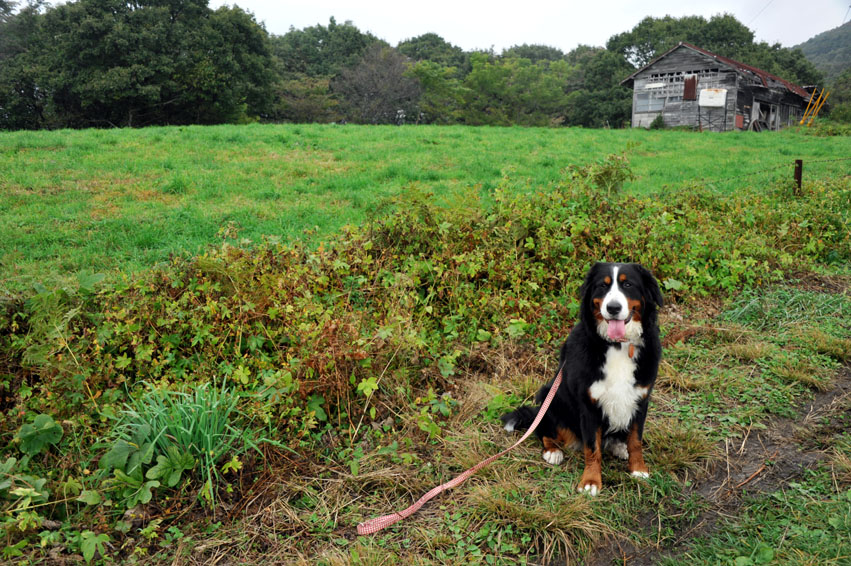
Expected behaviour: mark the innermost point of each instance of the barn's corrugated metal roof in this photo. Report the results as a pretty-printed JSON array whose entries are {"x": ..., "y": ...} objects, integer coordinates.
[{"x": 738, "y": 65}]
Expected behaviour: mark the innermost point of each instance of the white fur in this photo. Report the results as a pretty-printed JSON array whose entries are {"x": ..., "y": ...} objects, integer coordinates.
[
  {"x": 509, "y": 426},
  {"x": 617, "y": 448},
  {"x": 616, "y": 393},
  {"x": 554, "y": 457},
  {"x": 615, "y": 295},
  {"x": 642, "y": 475},
  {"x": 590, "y": 489}
]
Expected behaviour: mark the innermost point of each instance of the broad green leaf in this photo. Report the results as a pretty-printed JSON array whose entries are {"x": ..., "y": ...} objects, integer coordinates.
[
  {"x": 34, "y": 437},
  {"x": 89, "y": 497},
  {"x": 170, "y": 467}
]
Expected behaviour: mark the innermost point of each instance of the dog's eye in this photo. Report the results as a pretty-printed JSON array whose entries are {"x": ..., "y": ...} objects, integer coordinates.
[{"x": 626, "y": 284}]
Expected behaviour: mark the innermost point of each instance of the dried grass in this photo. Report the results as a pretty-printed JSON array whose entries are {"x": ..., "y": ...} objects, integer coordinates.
[
  {"x": 673, "y": 447},
  {"x": 561, "y": 525}
]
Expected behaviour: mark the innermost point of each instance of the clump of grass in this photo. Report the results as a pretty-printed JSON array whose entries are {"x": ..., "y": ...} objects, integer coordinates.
[
  {"x": 824, "y": 343},
  {"x": 749, "y": 351},
  {"x": 795, "y": 369},
  {"x": 841, "y": 458},
  {"x": 201, "y": 424},
  {"x": 176, "y": 185},
  {"x": 674, "y": 447},
  {"x": 559, "y": 524}
]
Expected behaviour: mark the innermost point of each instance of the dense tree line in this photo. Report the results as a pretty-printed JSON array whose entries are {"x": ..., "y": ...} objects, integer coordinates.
[{"x": 93, "y": 63}]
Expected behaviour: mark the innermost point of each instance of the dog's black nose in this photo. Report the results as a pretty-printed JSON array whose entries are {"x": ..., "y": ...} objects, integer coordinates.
[{"x": 614, "y": 308}]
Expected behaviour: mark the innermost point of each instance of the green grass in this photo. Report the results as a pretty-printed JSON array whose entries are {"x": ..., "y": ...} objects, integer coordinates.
[
  {"x": 122, "y": 200},
  {"x": 384, "y": 356}
]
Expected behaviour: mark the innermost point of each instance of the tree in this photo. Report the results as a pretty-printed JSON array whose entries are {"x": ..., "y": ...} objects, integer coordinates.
[
  {"x": 118, "y": 63},
  {"x": 377, "y": 89},
  {"x": 321, "y": 51},
  {"x": 840, "y": 98},
  {"x": 432, "y": 47},
  {"x": 722, "y": 34},
  {"x": 596, "y": 99},
  {"x": 306, "y": 99},
  {"x": 533, "y": 52},
  {"x": 441, "y": 101},
  {"x": 22, "y": 102}
]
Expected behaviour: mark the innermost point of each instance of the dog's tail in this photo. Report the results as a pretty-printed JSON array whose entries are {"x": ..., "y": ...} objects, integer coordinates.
[{"x": 520, "y": 419}]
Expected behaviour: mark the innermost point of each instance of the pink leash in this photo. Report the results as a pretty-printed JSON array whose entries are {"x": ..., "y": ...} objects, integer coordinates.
[{"x": 375, "y": 525}]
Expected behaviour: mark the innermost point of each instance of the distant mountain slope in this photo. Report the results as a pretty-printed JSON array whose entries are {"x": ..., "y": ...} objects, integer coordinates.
[{"x": 830, "y": 51}]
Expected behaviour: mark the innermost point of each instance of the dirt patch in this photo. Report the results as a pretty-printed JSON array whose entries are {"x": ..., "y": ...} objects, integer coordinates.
[{"x": 763, "y": 461}]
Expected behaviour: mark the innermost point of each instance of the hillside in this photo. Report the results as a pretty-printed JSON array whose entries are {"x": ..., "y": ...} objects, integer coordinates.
[{"x": 830, "y": 51}]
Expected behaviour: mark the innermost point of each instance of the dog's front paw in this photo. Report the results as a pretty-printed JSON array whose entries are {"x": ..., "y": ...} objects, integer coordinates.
[
  {"x": 554, "y": 457},
  {"x": 640, "y": 474},
  {"x": 590, "y": 487}
]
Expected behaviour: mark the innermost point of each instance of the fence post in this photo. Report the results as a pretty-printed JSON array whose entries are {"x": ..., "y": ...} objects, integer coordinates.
[{"x": 799, "y": 173}]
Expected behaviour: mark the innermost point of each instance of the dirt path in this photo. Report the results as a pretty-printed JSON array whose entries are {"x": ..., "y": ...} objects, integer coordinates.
[{"x": 763, "y": 462}]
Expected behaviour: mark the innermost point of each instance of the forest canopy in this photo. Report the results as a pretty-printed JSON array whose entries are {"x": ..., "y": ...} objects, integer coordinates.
[{"x": 113, "y": 63}]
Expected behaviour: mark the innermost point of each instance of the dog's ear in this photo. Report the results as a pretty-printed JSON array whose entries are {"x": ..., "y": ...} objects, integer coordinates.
[
  {"x": 589, "y": 279},
  {"x": 649, "y": 283}
]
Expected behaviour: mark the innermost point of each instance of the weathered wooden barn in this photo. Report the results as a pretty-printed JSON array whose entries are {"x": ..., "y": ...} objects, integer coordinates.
[{"x": 689, "y": 86}]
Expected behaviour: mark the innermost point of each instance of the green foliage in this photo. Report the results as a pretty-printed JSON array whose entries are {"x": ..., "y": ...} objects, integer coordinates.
[
  {"x": 658, "y": 123},
  {"x": 91, "y": 543},
  {"x": 840, "y": 98},
  {"x": 383, "y": 325},
  {"x": 33, "y": 438},
  {"x": 830, "y": 51},
  {"x": 91, "y": 63},
  {"x": 432, "y": 48},
  {"x": 321, "y": 51},
  {"x": 182, "y": 431},
  {"x": 534, "y": 53}
]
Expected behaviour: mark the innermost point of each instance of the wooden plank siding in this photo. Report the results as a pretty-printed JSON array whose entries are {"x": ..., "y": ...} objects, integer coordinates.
[{"x": 664, "y": 88}]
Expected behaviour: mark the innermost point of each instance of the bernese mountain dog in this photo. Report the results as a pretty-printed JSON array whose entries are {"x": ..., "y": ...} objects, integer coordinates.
[{"x": 610, "y": 361}]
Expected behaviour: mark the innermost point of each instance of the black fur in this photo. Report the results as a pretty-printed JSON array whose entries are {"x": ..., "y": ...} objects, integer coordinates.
[{"x": 583, "y": 357}]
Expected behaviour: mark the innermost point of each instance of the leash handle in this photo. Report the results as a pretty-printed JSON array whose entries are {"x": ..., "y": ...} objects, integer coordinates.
[{"x": 375, "y": 525}]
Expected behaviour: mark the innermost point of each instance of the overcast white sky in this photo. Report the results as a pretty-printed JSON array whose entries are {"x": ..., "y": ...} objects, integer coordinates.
[{"x": 476, "y": 24}]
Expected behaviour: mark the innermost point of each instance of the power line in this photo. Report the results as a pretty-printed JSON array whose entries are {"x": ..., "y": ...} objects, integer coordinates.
[{"x": 760, "y": 12}]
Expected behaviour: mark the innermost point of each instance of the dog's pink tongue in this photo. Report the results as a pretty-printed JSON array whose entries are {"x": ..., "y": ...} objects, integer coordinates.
[{"x": 617, "y": 330}]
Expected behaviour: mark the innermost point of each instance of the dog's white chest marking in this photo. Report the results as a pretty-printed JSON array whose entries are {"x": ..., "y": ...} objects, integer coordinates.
[{"x": 616, "y": 394}]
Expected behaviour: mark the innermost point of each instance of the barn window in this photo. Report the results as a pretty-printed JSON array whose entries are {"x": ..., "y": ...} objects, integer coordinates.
[
  {"x": 690, "y": 88},
  {"x": 649, "y": 102}
]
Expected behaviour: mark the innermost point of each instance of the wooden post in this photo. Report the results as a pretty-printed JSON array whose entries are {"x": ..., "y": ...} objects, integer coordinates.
[{"x": 799, "y": 174}]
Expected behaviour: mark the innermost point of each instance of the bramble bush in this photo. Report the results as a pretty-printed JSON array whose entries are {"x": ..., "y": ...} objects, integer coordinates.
[{"x": 313, "y": 337}]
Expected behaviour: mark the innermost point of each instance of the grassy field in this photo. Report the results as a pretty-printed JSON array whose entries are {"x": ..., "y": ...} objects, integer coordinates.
[
  {"x": 252, "y": 401},
  {"x": 121, "y": 200}
]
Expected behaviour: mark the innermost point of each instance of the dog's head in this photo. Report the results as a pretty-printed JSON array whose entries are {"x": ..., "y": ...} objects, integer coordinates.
[{"x": 618, "y": 299}]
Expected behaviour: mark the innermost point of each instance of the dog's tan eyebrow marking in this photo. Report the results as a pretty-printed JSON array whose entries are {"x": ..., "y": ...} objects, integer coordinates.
[
  {"x": 607, "y": 280},
  {"x": 622, "y": 277}
]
